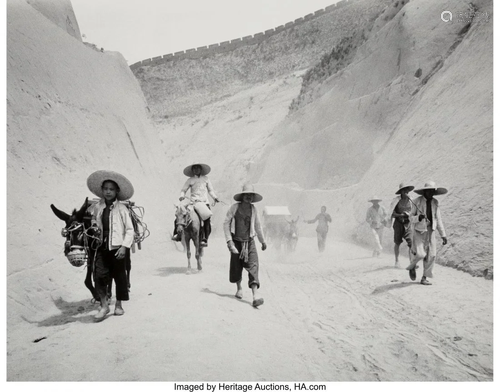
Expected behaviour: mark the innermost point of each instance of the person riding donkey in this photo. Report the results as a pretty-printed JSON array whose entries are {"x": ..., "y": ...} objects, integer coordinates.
[{"x": 200, "y": 187}]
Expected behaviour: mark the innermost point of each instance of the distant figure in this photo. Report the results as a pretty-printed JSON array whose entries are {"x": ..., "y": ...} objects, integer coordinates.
[
  {"x": 426, "y": 218},
  {"x": 241, "y": 226},
  {"x": 400, "y": 211},
  {"x": 376, "y": 217},
  {"x": 291, "y": 234},
  {"x": 322, "y": 229},
  {"x": 200, "y": 187}
]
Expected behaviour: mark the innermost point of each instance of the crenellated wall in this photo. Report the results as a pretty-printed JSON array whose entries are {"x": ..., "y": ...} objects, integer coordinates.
[{"x": 227, "y": 46}]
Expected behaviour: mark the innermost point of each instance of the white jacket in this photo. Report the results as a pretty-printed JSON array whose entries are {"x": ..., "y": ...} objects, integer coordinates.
[
  {"x": 419, "y": 206},
  {"x": 121, "y": 229}
]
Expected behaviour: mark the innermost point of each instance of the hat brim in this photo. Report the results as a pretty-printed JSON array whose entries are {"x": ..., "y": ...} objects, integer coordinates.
[
  {"x": 95, "y": 180},
  {"x": 256, "y": 196},
  {"x": 205, "y": 169},
  {"x": 409, "y": 187},
  {"x": 374, "y": 200},
  {"x": 437, "y": 191}
]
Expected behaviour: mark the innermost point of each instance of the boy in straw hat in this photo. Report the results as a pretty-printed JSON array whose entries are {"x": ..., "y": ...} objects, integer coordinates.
[
  {"x": 426, "y": 218},
  {"x": 200, "y": 187},
  {"x": 117, "y": 231},
  {"x": 376, "y": 218},
  {"x": 400, "y": 211},
  {"x": 241, "y": 226}
]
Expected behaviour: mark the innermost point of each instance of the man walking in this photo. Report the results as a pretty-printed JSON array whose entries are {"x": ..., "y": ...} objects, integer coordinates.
[
  {"x": 241, "y": 226},
  {"x": 425, "y": 217},
  {"x": 322, "y": 229},
  {"x": 376, "y": 218},
  {"x": 400, "y": 211}
]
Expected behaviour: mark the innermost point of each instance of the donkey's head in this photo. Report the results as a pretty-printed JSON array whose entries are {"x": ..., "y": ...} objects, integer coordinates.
[
  {"x": 76, "y": 223},
  {"x": 182, "y": 218}
]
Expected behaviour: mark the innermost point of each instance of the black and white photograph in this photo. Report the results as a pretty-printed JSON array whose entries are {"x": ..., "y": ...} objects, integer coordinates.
[{"x": 248, "y": 195}]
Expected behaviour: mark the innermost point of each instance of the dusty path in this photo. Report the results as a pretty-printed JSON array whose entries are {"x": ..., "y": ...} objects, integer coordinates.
[{"x": 336, "y": 316}]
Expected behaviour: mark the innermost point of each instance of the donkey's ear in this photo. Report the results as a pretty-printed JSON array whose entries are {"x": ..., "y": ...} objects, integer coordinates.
[
  {"x": 60, "y": 214},
  {"x": 85, "y": 204},
  {"x": 83, "y": 209}
]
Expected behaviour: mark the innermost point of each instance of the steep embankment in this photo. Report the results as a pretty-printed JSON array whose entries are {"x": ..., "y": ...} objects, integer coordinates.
[
  {"x": 406, "y": 98},
  {"x": 70, "y": 111},
  {"x": 183, "y": 86},
  {"x": 414, "y": 102}
]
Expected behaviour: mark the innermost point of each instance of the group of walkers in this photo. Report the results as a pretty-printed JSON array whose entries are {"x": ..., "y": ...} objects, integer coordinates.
[
  {"x": 415, "y": 222},
  {"x": 113, "y": 223}
]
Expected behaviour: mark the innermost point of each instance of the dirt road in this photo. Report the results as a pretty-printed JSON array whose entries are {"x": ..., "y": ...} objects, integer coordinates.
[{"x": 336, "y": 316}]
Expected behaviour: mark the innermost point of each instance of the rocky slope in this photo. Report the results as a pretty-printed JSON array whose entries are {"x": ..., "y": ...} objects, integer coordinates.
[
  {"x": 180, "y": 87},
  {"x": 405, "y": 98}
]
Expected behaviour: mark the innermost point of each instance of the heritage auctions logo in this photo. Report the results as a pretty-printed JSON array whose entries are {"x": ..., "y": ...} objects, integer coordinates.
[{"x": 464, "y": 17}]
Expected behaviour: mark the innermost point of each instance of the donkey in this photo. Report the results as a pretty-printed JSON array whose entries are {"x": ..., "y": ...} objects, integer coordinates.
[
  {"x": 78, "y": 231},
  {"x": 75, "y": 231},
  {"x": 291, "y": 235},
  {"x": 189, "y": 227}
]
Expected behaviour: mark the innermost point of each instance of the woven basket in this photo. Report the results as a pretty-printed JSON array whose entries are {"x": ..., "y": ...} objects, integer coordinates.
[{"x": 77, "y": 257}]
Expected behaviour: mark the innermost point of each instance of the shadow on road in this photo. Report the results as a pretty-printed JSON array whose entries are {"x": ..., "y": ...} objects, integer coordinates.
[
  {"x": 70, "y": 312},
  {"x": 167, "y": 271},
  {"x": 388, "y": 287},
  {"x": 205, "y": 290},
  {"x": 385, "y": 267}
]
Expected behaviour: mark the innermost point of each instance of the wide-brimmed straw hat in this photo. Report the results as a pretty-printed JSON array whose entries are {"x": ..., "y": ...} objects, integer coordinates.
[
  {"x": 404, "y": 185},
  {"x": 205, "y": 169},
  {"x": 375, "y": 198},
  {"x": 248, "y": 188},
  {"x": 95, "y": 180},
  {"x": 432, "y": 186}
]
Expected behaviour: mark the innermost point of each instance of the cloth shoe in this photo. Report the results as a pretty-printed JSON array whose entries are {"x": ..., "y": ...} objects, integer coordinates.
[
  {"x": 119, "y": 311},
  {"x": 101, "y": 315}
]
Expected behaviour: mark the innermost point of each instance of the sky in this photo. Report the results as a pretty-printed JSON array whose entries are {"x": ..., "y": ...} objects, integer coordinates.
[{"x": 142, "y": 29}]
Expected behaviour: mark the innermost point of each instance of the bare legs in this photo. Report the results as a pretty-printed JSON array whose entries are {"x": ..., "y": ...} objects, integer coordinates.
[{"x": 257, "y": 299}]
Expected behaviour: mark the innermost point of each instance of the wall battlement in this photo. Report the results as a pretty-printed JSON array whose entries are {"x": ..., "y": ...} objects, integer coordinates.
[{"x": 227, "y": 46}]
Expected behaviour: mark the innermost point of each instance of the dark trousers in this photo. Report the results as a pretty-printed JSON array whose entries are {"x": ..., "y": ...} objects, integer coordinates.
[
  {"x": 108, "y": 268},
  {"x": 207, "y": 229},
  {"x": 401, "y": 232},
  {"x": 252, "y": 265}
]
